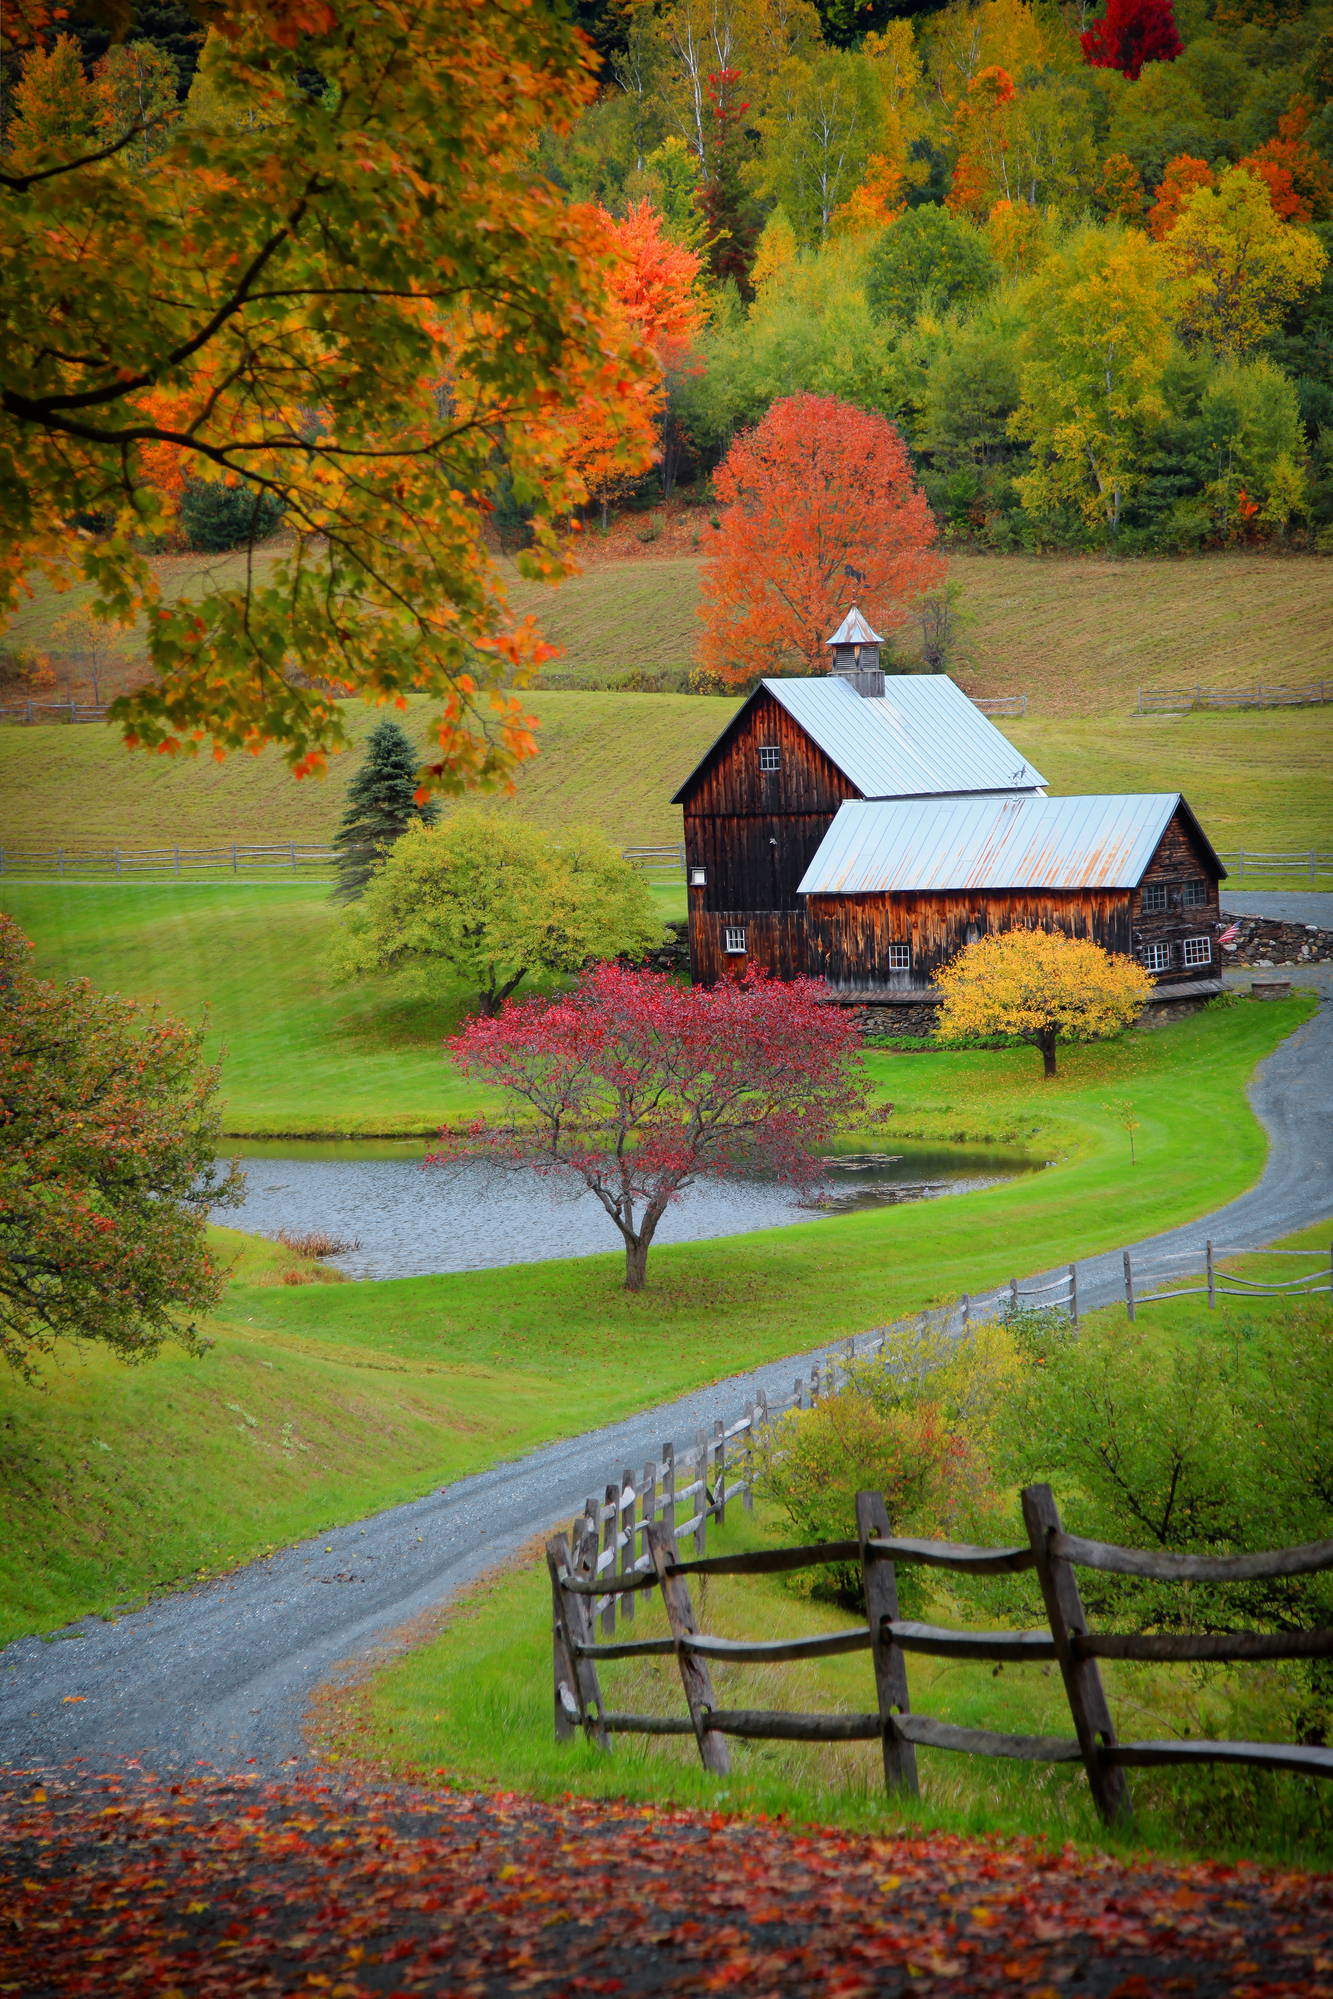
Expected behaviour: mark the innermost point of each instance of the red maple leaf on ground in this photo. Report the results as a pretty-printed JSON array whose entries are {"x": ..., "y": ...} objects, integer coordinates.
[{"x": 247, "y": 1886}]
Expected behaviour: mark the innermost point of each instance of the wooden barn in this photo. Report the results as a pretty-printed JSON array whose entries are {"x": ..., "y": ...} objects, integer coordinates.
[
  {"x": 761, "y": 802},
  {"x": 897, "y": 888}
]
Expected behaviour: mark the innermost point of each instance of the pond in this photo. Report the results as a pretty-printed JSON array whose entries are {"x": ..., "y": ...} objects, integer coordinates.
[{"x": 410, "y": 1220}]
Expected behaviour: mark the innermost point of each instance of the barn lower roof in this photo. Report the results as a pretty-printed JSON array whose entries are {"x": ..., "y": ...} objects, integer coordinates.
[{"x": 1101, "y": 841}]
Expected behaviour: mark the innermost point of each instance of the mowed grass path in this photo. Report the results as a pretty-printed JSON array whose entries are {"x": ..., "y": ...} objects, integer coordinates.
[{"x": 320, "y": 1402}]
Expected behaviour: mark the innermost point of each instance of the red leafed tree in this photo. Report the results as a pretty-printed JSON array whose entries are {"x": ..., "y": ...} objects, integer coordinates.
[
  {"x": 637, "y": 1087},
  {"x": 1183, "y": 176},
  {"x": 819, "y": 488},
  {"x": 1131, "y": 33}
]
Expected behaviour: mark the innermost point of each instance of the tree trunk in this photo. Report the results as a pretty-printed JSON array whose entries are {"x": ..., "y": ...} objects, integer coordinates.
[
  {"x": 1047, "y": 1046},
  {"x": 636, "y": 1262}
]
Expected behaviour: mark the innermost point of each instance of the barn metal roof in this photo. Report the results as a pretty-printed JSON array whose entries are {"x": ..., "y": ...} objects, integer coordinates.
[
  {"x": 854, "y": 631},
  {"x": 921, "y": 738},
  {"x": 1096, "y": 842}
]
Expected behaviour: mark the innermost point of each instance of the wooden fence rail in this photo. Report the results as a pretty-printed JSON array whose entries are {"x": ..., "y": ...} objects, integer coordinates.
[
  {"x": 1298, "y": 864},
  {"x": 577, "y": 1592},
  {"x": 1227, "y": 1284},
  {"x": 228, "y": 858},
  {"x": 1259, "y": 694},
  {"x": 1001, "y": 704},
  {"x": 54, "y": 711}
]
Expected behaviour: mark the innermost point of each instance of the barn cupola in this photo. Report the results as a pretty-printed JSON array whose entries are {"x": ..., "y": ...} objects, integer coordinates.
[{"x": 856, "y": 655}]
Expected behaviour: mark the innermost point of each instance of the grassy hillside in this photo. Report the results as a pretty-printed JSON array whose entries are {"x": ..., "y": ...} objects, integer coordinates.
[
  {"x": 322, "y": 1401},
  {"x": 1077, "y": 636}
]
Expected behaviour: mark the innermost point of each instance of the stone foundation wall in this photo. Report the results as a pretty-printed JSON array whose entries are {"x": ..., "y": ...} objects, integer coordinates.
[{"x": 1261, "y": 942}]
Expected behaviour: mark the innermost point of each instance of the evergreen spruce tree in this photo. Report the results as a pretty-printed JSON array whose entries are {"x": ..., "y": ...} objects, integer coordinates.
[{"x": 381, "y": 805}]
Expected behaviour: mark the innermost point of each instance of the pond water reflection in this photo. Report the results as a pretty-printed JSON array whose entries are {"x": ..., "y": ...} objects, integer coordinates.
[{"x": 412, "y": 1219}]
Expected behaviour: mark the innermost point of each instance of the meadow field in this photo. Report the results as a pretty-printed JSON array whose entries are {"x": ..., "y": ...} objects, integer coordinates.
[
  {"x": 1077, "y": 636},
  {"x": 320, "y": 1401}
]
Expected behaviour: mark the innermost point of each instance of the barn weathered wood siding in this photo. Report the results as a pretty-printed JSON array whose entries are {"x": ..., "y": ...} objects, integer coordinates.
[
  {"x": 848, "y": 937},
  {"x": 1192, "y": 906},
  {"x": 755, "y": 832}
]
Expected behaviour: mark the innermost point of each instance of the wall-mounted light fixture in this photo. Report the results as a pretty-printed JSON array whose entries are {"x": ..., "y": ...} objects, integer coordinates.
[{"x": 698, "y": 877}]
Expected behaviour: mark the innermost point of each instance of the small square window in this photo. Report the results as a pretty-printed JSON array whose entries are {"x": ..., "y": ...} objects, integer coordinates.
[
  {"x": 698, "y": 877},
  {"x": 1194, "y": 895},
  {"x": 900, "y": 957},
  {"x": 735, "y": 940},
  {"x": 770, "y": 757},
  {"x": 1159, "y": 957},
  {"x": 1154, "y": 895},
  {"x": 1198, "y": 951}
]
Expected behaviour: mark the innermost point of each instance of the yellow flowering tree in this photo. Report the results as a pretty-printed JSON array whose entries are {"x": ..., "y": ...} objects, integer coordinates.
[{"x": 1042, "y": 986}]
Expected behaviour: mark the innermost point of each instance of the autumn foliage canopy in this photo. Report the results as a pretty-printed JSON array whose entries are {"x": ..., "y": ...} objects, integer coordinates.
[
  {"x": 1042, "y": 986},
  {"x": 361, "y": 302},
  {"x": 637, "y": 1087},
  {"x": 817, "y": 490}
]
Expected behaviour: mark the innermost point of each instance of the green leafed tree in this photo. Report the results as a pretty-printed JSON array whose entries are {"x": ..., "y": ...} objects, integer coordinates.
[
  {"x": 109, "y": 1138},
  {"x": 485, "y": 901},
  {"x": 928, "y": 253},
  {"x": 381, "y": 805}
]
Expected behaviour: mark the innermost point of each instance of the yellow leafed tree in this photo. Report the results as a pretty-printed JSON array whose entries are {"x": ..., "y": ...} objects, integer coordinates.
[
  {"x": 1044, "y": 988},
  {"x": 1238, "y": 266}
]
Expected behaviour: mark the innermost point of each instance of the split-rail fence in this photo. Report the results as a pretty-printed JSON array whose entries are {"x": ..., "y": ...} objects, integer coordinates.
[
  {"x": 891, "y": 1640},
  {"x": 629, "y": 1542}
]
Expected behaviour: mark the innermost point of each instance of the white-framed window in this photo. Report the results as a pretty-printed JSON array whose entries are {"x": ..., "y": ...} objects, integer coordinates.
[
  {"x": 734, "y": 938},
  {"x": 698, "y": 877},
  {"x": 1198, "y": 951},
  {"x": 1194, "y": 895},
  {"x": 1154, "y": 895},
  {"x": 900, "y": 957},
  {"x": 1159, "y": 958},
  {"x": 770, "y": 757}
]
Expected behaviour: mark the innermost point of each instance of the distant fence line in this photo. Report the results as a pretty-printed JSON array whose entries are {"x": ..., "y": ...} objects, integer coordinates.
[
  {"x": 1263, "y": 694},
  {"x": 72, "y": 863},
  {"x": 1295, "y": 862},
  {"x": 1001, "y": 704},
  {"x": 58, "y": 711}
]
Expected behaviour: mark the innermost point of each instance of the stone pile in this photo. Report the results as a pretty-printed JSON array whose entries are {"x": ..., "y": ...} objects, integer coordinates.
[{"x": 1260, "y": 941}]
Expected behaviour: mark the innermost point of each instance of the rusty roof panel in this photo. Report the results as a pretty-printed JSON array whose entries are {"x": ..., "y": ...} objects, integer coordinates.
[{"x": 1101, "y": 841}]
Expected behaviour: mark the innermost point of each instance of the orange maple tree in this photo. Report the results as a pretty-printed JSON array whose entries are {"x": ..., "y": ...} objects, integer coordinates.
[
  {"x": 1184, "y": 174},
  {"x": 1297, "y": 177},
  {"x": 818, "y": 489},
  {"x": 653, "y": 283}
]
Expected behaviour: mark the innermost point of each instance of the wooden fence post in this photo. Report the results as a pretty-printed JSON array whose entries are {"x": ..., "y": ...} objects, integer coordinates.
[
  {"x": 747, "y": 1478},
  {"x": 1073, "y": 1295},
  {"x": 881, "y": 1587},
  {"x": 629, "y": 1550},
  {"x": 1212, "y": 1295},
  {"x": 701, "y": 1469},
  {"x": 648, "y": 1510},
  {"x": 694, "y": 1674},
  {"x": 799, "y": 1393},
  {"x": 1013, "y": 1294},
  {"x": 720, "y": 1453},
  {"x": 669, "y": 1489},
  {"x": 1083, "y": 1682},
  {"x": 967, "y": 1307},
  {"x": 814, "y": 1386},
  {"x": 1129, "y": 1286},
  {"x": 611, "y": 1541},
  {"x": 575, "y": 1613},
  {"x": 567, "y": 1711}
]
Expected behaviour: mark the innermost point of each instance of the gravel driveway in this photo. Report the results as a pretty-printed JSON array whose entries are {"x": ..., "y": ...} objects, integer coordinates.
[{"x": 220, "y": 1675}]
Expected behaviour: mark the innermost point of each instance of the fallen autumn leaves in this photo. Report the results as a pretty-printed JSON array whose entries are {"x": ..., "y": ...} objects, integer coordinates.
[{"x": 247, "y": 1886}]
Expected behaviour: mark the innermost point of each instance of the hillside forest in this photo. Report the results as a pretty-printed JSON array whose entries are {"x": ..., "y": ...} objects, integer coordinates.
[{"x": 1080, "y": 260}]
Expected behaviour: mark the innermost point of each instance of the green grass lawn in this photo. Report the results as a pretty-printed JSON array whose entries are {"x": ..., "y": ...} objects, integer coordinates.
[{"x": 400, "y": 1384}]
